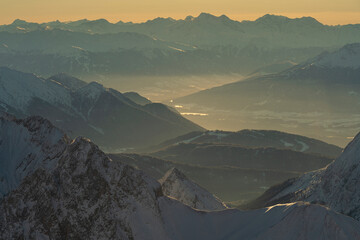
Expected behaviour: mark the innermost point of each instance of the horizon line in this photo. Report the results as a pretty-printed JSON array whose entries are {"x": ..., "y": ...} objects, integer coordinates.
[{"x": 175, "y": 19}]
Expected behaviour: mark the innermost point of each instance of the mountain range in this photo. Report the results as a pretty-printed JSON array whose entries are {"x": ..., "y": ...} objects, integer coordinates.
[
  {"x": 88, "y": 195},
  {"x": 205, "y": 44},
  {"x": 317, "y": 98},
  {"x": 89, "y": 109},
  {"x": 210, "y": 30}
]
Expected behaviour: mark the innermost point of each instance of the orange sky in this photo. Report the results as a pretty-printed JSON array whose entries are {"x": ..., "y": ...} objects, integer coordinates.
[{"x": 326, "y": 11}]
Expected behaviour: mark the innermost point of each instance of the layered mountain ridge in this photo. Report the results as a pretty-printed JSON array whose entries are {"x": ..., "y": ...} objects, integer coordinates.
[
  {"x": 88, "y": 195},
  {"x": 90, "y": 109},
  {"x": 205, "y": 44},
  {"x": 170, "y": 29},
  {"x": 317, "y": 98}
]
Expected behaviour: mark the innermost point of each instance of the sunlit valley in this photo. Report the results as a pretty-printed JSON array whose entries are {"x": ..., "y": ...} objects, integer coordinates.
[{"x": 205, "y": 127}]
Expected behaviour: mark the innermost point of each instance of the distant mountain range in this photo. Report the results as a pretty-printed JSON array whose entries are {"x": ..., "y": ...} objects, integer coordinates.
[
  {"x": 210, "y": 30},
  {"x": 91, "y": 110},
  {"x": 319, "y": 97},
  {"x": 195, "y": 45},
  {"x": 87, "y": 195}
]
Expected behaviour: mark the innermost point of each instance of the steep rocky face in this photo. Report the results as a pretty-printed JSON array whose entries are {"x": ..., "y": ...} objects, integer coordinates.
[
  {"x": 86, "y": 196},
  {"x": 336, "y": 186},
  {"x": 176, "y": 185},
  {"x": 26, "y": 145}
]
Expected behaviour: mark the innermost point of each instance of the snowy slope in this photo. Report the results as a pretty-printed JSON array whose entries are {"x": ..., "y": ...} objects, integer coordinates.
[
  {"x": 337, "y": 186},
  {"x": 17, "y": 89},
  {"x": 89, "y": 109},
  {"x": 26, "y": 145},
  {"x": 176, "y": 185},
  {"x": 340, "y": 66},
  {"x": 345, "y": 57},
  {"x": 281, "y": 222},
  {"x": 89, "y": 196}
]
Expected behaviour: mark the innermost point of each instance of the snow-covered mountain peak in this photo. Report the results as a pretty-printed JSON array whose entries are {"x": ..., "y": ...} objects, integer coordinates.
[
  {"x": 92, "y": 90},
  {"x": 120, "y": 198},
  {"x": 176, "y": 185},
  {"x": 345, "y": 57}
]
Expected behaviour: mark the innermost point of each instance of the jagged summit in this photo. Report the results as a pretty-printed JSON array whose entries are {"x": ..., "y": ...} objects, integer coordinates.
[{"x": 176, "y": 185}]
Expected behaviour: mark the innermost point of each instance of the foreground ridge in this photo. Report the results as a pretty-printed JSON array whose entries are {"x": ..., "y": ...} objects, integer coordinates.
[{"x": 89, "y": 196}]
